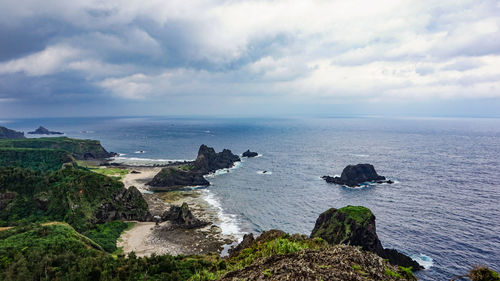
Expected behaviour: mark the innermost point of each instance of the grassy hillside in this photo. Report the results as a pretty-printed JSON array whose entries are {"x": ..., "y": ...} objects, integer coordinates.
[
  {"x": 55, "y": 251},
  {"x": 36, "y": 159},
  {"x": 78, "y": 197},
  {"x": 80, "y": 149}
]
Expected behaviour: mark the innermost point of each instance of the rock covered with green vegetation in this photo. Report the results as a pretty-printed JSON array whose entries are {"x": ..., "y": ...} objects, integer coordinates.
[
  {"x": 79, "y": 197},
  {"x": 192, "y": 174},
  {"x": 44, "y": 160},
  {"x": 79, "y": 149},
  {"x": 355, "y": 225},
  {"x": 6, "y": 133}
]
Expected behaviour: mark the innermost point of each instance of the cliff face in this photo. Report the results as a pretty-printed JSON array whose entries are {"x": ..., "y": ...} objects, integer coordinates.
[
  {"x": 79, "y": 149},
  {"x": 6, "y": 133},
  {"x": 207, "y": 161},
  {"x": 355, "y": 225}
]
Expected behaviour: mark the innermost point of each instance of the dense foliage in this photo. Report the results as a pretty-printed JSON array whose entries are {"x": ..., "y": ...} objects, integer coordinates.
[
  {"x": 57, "y": 252},
  {"x": 76, "y": 147},
  {"x": 70, "y": 195},
  {"x": 107, "y": 234},
  {"x": 34, "y": 159}
]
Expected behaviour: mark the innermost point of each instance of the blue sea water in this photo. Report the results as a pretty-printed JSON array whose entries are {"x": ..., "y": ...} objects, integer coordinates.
[{"x": 443, "y": 210}]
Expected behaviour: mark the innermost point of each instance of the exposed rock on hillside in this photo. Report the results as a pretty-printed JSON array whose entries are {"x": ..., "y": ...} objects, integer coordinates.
[
  {"x": 354, "y": 175},
  {"x": 43, "y": 131},
  {"x": 127, "y": 204},
  {"x": 181, "y": 216},
  {"x": 355, "y": 225},
  {"x": 250, "y": 154},
  {"x": 191, "y": 174},
  {"x": 6, "y": 133}
]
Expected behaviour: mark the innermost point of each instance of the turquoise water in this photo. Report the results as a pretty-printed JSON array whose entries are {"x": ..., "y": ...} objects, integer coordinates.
[{"x": 443, "y": 209}]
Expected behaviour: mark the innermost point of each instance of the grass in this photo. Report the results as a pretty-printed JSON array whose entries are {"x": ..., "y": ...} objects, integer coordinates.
[
  {"x": 278, "y": 246},
  {"x": 115, "y": 173},
  {"x": 359, "y": 214}
]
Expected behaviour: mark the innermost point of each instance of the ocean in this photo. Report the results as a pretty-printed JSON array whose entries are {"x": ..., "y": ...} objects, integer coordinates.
[{"x": 443, "y": 209}]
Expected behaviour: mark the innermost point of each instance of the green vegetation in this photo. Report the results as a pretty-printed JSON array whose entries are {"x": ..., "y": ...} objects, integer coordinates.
[
  {"x": 187, "y": 167},
  {"x": 34, "y": 159},
  {"x": 71, "y": 195},
  {"x": 285, "y": 244},
  {"x": 108, "y": 233},
  {"x": 57, "y": 252},
  {"x": 76, "y": 147},
  {"x": 359, "y": 214},
  {"x": 407, "y": 272},
  {"x": 391, "y": 273}
]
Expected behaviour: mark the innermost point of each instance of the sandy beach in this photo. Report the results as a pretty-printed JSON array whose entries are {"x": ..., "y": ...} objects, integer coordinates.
[{"x": 146, "y": 238}]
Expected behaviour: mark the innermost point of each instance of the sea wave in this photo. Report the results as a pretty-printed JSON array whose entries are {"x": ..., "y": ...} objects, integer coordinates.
[
  {"x": 235, "y": 166},
  {"x": 425, "y": 261},
  {"x": 228, "y": 223}
]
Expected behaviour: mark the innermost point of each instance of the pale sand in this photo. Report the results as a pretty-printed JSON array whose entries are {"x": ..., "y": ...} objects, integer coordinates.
[{"x": 139, "y": 180}]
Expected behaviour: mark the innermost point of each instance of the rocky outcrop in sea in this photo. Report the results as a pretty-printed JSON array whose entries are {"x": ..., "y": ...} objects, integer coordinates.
[
  {"x": 44, "y": 131},
  {"x": 249, "y": 154},
  {"x": 354, "y": 175},
  {"x": 355, "y": 225},
  {"x": 191, "y": 174}
]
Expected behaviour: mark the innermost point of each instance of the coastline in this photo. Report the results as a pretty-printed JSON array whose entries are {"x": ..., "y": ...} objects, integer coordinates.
[{"x": 147, "y": 238}]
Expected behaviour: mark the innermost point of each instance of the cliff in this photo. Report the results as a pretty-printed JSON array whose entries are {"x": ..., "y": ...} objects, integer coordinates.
[
  {"x": 79, "y": 149},
  {"x": 355, "y": 225}
]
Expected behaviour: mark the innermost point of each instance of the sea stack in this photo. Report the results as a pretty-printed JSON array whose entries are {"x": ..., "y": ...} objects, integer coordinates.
[
  {"x": 354, "y": 175},
  {"x": 355, "y": 225},
  {"x": 249, "y": 154},
  {"x": 191, "y": 173}
]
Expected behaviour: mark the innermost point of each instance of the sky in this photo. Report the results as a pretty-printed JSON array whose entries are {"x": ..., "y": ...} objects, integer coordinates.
[{"x": 249, "y": 58}]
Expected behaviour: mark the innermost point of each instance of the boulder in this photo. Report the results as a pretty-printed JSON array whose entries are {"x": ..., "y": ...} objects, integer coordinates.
[
  {"x": 355, "y": 225},
  {"x": 354, "y": 175},
  {"x": 250, "y": 154},
  {"x": 247, "y": 242},
  {"x": 43, "y": 131},
  {"x": 182, "y": 217}
]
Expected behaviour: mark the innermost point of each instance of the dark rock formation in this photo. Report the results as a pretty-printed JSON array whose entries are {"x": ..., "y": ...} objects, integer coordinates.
[
  {"x": 354, "y": 175},
  {"x": 355, "y": 225},
  {"x": 208, "y": 161},
  {"x": 171, "y": 178},
  {"x": 126, "y": 204},
  {"x": 43, "y": 131},
  {"x": 6, "y": 133},
  {"x": 250, "y": 154},
  {"x": 181, "y": 217},
  {"x": 247, "y": 242},
  {"x": 191, "y": 174}
]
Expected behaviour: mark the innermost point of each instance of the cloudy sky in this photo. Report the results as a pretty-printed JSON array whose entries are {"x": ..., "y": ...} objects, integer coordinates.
[{"x": 215, "y": 57}]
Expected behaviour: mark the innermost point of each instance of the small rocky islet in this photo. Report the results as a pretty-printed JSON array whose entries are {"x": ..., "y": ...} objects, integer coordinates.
[
  {"x": 250, "y": 154},
  {"x": 192, "y": 173},
  {"x": 44, "y": 131},
  {"x": 355, "y": 175}
]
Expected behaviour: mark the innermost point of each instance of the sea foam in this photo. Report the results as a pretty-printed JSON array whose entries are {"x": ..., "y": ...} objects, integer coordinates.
[{"x": 425, "y": 261}]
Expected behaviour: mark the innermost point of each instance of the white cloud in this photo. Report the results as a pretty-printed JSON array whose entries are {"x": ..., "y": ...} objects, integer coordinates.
[{"x": 50, "y": 60}]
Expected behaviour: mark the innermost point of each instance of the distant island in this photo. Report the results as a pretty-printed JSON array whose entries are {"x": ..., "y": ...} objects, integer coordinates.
[
  {"x": 6, "y": 133},
  {"x": 43, "y": 131},
  {"x": 355, "y": 175}
]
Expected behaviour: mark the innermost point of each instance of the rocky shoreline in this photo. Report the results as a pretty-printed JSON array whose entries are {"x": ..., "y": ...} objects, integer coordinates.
[{"x": 165, "y": 236}]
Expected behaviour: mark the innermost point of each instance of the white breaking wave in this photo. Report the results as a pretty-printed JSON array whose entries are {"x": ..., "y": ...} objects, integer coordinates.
[
  {"x": 140, "y": 151},
  {"x": 425, "y": 261},
  {"x": 235, "y": 166},
  {"x": 227, "y": 222}
]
